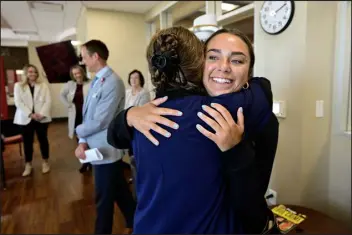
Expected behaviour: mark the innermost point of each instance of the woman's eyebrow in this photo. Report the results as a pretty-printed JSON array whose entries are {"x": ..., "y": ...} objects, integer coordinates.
[{"x": 232, "y": 53}]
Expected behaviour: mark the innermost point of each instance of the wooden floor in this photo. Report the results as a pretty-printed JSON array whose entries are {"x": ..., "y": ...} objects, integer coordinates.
[{"x": 61, "y": 201}]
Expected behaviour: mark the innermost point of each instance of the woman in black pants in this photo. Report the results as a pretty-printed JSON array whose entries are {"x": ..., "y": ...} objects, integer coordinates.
[{"x": 33, "y": 114}]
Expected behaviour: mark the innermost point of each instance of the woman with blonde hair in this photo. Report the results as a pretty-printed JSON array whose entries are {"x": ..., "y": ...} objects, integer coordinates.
[
  {"x": 33, "y": 113},
  {"x": 72, "y": 95}
]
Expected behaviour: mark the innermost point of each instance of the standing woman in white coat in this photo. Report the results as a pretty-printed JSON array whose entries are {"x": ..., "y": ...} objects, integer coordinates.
[
  {"x": 72, "y": 95},
  {"x": 33, "y": 114}
]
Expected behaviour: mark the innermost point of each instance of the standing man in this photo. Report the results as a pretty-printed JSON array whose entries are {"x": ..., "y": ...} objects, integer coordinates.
[{"x": 105, "y": 99}]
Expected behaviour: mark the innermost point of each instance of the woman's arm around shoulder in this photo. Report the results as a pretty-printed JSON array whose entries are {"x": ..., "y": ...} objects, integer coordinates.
[
  {"x": 119, "y": 133},
  {"x": 143, "y": 119}
]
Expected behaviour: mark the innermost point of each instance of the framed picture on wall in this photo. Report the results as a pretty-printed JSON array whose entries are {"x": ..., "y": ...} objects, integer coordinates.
[{"x": 10, "y": 81}]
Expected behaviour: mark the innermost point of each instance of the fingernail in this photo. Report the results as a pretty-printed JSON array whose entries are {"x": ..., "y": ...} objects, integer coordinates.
[
  {"x": 167, "y": 134},
  {"x": 176, "y": 126},
  {"x": 156, "y": 143},
  {"x": 203, "y": 106},
  {"x": 241, "y": 109},
  {"x": 212, "y": 104},
  {"x": 199, "y": 114},
  {"x": 198, "y": 126},
  {"x": 179, "y": 113}
]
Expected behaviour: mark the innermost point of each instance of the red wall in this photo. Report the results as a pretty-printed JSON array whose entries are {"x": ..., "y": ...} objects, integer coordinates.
[{"x": 4, "y": 108}]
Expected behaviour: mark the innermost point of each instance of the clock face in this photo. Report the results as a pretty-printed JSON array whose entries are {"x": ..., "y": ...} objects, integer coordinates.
[{"x": 275, "y": 16}]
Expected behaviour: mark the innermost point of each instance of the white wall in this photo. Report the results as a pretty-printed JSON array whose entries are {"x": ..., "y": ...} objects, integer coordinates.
[
  {"x": 123, "y": 33},
  {"x": 340, "y": 142},
  {"x": 313, "y": 166},
  {"x": 125, "y": 36}
]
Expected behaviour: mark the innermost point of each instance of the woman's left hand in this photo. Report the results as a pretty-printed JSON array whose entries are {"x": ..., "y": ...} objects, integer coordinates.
[
  {"x": 228, "y": 133},
  {"x": 38, "y": 117}
]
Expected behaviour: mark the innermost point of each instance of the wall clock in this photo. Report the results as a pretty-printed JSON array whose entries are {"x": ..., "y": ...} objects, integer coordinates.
[{"x": 276, "y": 16}]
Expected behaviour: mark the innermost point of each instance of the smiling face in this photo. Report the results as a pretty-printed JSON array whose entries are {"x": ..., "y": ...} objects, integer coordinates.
[
  {"x": 227, "y": 64},
  {"x": 77, "y": 74},
  {"x": 32, "y": 74}
]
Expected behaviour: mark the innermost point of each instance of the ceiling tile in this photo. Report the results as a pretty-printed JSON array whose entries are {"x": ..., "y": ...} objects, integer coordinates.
[
  {"x": 126, "y": 6},
  {"x": 53, "y": 21},
  {"x": 72, "y": 12},
  {"x": 18, "y": 15}
]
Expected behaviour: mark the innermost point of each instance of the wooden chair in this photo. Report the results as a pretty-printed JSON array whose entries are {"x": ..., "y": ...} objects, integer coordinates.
[{"x": 16, "y": 139}]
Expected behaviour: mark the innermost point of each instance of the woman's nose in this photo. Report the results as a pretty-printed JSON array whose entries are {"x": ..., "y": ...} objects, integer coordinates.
[{"x": 224, "y": 66}]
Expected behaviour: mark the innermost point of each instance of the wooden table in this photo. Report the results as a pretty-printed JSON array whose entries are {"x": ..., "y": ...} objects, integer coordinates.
[{"x": 318, "y": 223}]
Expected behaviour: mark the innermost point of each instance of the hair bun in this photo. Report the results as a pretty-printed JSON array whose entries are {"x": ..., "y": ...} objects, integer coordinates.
[
  {"x": 165, "y": 57},
  {"x": 166, "y": 42}
]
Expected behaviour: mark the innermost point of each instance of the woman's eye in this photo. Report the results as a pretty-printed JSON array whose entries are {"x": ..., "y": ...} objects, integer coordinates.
[
  {"x": 212, "y": 57},
  {"x": 237, "y": 61}
]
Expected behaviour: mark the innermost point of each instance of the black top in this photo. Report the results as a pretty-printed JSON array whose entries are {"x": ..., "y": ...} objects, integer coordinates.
[
  {"x": 32, "y": 92},
  {"x": 78, "y": 99}
]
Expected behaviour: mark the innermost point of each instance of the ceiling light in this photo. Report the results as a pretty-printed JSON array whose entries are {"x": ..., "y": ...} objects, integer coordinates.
[
  {"x": 204, "y": 26},
  {"x": 228, "y": 7},
  {"x": 24, "y": 32},
  {"x": 75, "y": 43}
]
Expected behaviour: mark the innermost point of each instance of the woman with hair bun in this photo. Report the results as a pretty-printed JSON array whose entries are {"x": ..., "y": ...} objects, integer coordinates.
[{"x": 180, "y": 185}]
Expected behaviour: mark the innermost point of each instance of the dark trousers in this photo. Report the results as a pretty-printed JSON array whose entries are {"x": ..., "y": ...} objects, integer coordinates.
[
  {"x": 110, "y": 187},
  {"x": 28, "y": 138}
]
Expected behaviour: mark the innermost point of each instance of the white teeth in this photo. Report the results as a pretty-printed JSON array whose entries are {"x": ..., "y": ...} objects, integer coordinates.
[{"x": 222, "y": 80}]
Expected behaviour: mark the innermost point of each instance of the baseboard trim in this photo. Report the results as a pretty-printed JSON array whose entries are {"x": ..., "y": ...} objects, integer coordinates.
[{"x": 60, "y": 119}]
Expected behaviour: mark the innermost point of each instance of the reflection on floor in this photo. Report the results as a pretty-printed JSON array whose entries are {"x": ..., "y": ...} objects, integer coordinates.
[{"x": 61, "y": 201}]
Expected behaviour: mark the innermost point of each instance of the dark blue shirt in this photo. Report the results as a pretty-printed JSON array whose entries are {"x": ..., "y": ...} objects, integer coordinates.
[{"x": 180, "y": 186}]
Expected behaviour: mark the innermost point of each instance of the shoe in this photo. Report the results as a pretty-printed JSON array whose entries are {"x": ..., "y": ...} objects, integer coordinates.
[
  {"x": 45, "y": 167},
  {"x": 85, "y": 167},
  {"x": 27, "y": 169}
]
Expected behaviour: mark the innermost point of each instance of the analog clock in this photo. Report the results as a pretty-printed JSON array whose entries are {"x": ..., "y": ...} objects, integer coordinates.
[{"x": 276, "y": 16}]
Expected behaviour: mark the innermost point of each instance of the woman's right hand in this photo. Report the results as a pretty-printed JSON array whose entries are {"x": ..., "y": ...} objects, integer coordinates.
[{"x": 145, "y": 118}]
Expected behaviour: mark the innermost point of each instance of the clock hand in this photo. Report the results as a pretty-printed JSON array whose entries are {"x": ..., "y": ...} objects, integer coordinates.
[{"x": 280, "y": 7}]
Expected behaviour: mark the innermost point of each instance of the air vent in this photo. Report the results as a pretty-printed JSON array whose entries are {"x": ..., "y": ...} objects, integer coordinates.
[
  {"x": 46, "y": 6},
  {"x": 24, "y": 32}
]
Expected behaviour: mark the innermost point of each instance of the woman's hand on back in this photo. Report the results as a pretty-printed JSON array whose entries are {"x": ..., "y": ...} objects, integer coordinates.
[
  {"x": 228, "y": 133},
  {"x": 145, "y": 118}
]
